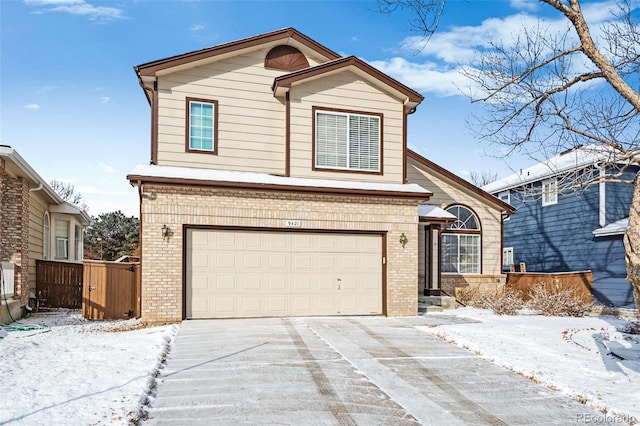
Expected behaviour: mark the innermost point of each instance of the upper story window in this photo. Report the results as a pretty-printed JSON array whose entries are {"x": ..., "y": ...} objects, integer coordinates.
[
  {"x": 461, "y": 243},
  {"x": 46, "y": 236},
  {"x": 348, "y": 141},
  {"x": 505, "y": 196},
  {"x": 549, "y": 191},
  {"x": 202, "y": 124},
  {"x": 62, "y": 239}
]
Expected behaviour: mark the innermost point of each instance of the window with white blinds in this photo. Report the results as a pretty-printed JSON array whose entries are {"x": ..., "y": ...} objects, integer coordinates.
[{"x": 347, "y": 141}]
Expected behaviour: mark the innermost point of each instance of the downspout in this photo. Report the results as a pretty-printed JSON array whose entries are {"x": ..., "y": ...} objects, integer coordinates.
[
  {"x": 287, "y": 135},
  {"x": 140, "y": 193},
  {"x": 38, "y": 188}
]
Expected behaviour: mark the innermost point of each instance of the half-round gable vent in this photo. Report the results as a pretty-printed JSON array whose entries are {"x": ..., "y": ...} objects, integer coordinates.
[{"x": 286, "y": 58}]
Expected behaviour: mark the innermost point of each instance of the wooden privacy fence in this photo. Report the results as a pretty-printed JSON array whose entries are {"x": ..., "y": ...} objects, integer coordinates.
[
  {"x": 580, "y": 282},
  {"x": 59, "y": 284},
  {"x": 111, "y": 290}
]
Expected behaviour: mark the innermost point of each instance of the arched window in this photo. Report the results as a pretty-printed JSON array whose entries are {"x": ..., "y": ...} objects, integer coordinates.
[
  {"x": 46, "y": 236},
  {"x": 461, "y": 243}
]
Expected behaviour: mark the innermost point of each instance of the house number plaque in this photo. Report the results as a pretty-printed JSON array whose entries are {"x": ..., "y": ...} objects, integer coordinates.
[{"x": 293, "y": 223}]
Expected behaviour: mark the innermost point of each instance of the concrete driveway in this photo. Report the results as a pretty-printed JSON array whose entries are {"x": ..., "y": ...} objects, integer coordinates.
[{"x": 342, "y": 371}]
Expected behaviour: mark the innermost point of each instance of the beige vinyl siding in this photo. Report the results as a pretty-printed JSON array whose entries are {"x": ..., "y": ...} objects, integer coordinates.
[
  {"x": 250, "y": 123},
  {"x": 37, "y": 207},
  {"x": 447, "y": 192},
  {"x": 345, "y": 90}
]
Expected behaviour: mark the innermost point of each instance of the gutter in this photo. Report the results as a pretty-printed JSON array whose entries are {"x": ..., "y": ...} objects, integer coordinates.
[{"x": 12, "y": 154}]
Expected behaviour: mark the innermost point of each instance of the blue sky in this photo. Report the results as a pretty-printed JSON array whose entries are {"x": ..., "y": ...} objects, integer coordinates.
[{"x": 72, "y": 107}]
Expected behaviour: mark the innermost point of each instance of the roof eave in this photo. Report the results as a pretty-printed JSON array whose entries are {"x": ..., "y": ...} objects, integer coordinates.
[{"x": 141, "y": 179}]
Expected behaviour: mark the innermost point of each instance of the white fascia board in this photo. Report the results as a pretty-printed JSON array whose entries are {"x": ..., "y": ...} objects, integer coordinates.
[{"x": 29, "y": 172}]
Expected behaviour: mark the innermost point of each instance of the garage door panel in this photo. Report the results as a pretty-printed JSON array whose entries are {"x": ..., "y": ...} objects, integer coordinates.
[
  {"x": 225, "y": 261},
  {"x": 326, "y": 262},
  {"x": 277, "y": 262},
  {"x": 225, "y": 283},
  {"x": 238, "y": 273}
]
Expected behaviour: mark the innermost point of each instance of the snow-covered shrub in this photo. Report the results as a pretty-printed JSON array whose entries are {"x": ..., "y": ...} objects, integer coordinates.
[
  {"x": 469, "y": 296},
  {"x": 506, "y": 302},
  {"x": 554, "y": 301}
]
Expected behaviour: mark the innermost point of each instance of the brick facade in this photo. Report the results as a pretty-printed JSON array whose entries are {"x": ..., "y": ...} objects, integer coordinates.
[
  {"x": 175, "y": 206},
  {"x": 482, "y": 284},
  {"x": 14, "y": 230}
]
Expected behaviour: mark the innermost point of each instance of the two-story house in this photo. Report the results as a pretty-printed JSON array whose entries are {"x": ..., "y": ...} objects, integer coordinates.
[
  {"x": 562, "y": 225},
  {"x": 280, "y": 184},
  {"x": 35, "y": 224}
]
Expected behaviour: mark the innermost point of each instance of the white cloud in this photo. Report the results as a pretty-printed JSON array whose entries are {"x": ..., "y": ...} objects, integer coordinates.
[
  {"x": 79, "y": 8},
  {"x": 105, "y": 100},
  {"x": 433, "y": 65},
  {"x": 106, "y": 168},
  {"x": 197, "y": 27},
  {"x": 32, "y": 106},
  {"x": 425, "y": 77},
  {"x": 529, "y": 5}
]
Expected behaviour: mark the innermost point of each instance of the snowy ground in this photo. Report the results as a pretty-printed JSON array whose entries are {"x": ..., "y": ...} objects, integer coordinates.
[
  {"x": 585, "y": 358},
  {"x": 65, "y": 370},
  {"x": 71, "y": 371}
]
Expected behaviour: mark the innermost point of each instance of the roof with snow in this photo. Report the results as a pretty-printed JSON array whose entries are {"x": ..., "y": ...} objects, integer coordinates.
[
  {"x": 429, "y": 211},
  {"x": 172, "y": 174},
  {"x": 566, "y": 161},
  {"x": 616, "y": 228}
]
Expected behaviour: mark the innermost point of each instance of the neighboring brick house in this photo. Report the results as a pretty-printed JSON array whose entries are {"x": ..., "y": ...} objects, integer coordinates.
[
  {"x": 560, "y": 228},
  {"x": 35, "y": 224},
  {"x": 279, "y": 185}
]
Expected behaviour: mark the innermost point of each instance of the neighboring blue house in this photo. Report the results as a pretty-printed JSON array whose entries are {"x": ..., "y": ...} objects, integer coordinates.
[{"x": 559, "y": 229}]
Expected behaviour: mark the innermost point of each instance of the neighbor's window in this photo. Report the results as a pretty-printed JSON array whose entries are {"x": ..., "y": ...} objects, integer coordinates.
[
  {"x": 347, "y": 141},
  {"x": 505, "y": 196},
  {"x": 201, "y": 125},
  {"x": 77, "y": 243},
  {"x": 461, "y": 243},
  {"x": 46, "y": 236},
  {"x": 62, "y": 239},
  {"x": 549, "y": 192},
  {"x": 507, "y": 256}
]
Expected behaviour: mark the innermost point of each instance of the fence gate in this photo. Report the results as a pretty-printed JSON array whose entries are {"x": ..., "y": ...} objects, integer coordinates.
[
  {"x": 59, "y": 284},
  {"x": 111, "y": 290}
]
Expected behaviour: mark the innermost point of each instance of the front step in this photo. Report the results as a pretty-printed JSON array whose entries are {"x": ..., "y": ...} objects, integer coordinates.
[
  {"x": 424, "y": 308},
  {"x": 443, "y": 302}
]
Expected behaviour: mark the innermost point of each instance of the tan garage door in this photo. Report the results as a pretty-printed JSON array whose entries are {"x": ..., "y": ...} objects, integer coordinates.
[{"x": 258, "y": 273}]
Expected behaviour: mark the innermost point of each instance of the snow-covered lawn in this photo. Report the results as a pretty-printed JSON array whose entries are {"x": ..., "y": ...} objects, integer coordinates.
[
  {"x": 73, "y": 371},
  {"x": 65, "y": 370},
  {"x": 585, "y": 358}
]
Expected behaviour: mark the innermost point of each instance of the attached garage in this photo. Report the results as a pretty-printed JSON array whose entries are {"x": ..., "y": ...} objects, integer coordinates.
[{"x": 231, "y": 273}]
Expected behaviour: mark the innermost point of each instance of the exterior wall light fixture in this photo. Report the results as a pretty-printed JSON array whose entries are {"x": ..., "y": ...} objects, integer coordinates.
[
  {"x": 166, "y": 232},
  {"x": 403, "y": 240}
]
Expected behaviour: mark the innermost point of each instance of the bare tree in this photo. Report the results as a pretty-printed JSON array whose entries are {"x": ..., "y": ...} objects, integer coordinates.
[
  {"x": 68, "y": 193},
  {"x": 482, "y": 178},
  {"x": 550, "y": 91}
]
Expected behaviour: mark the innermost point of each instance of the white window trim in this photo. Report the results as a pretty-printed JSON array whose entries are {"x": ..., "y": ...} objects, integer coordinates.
[
  {"x": 507, "y": 256},
  {"x": 550, "y": 196},
  {"x": 46, "y": 236},
  {"x": 501, "y": 196},
  {"x": 214, "y": 142},
  {"x": 479, "y": 265},
  {"x": 378, "y": 169}
]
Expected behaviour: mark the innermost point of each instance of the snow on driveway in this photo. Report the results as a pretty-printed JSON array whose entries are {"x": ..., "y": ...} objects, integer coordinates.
[
  {"x": 585, "y": 358},
  {"x": 81, "y": 372},
  {"x": 64, "y": 370}
]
